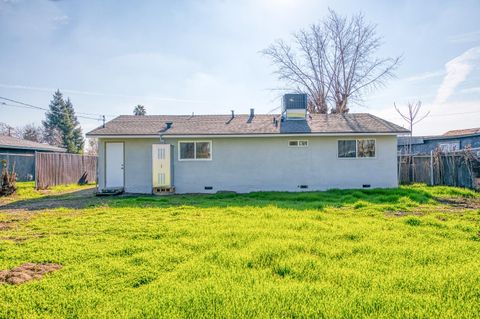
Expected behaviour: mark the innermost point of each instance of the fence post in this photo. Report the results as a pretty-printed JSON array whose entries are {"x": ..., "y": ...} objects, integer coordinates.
[
  {"x": 413, "y": 168},
  {"x": 431, "y": 169},
  {"x": 35, "y": 174},
  {"x": 399, "y": 163}
]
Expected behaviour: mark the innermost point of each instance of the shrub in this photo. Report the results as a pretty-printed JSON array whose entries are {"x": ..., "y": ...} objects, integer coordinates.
[{"x": 8, "y": 184}]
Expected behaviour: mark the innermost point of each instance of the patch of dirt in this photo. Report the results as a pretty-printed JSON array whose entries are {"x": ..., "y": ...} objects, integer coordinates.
[
  {"x": 12, "y": 222},
  {"x": 5, "y": 225},
  {"x": 77, "y": 199},
  {"x": 402, "y": 213},
  {"x": 26, "y": 272},
  {"x": 460, "y": 203},
  {"x": 19, "y": 240}
]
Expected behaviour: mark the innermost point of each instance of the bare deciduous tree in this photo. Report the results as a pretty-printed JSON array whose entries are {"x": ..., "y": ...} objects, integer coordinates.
[
  {"x": 31, "y": 132},
  {"x": 333, "y": 62},
  {"x": 411, "y": 116},
  {"x": 6, "y": 129},
  {"x": 91, "y": 146}
]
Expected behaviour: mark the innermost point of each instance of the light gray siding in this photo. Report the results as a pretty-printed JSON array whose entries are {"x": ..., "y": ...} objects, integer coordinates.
[
  {"x": 245, "y": 164},
  {"x": 137, "y": 163}
]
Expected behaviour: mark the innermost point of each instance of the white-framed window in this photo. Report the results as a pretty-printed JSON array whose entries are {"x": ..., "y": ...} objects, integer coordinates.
[
  {"x": 449, "y": 147},
  {"x": 298, "y": 143},
  {"x": 358, "y": 148},
  {"x": 194, "y": 150}
]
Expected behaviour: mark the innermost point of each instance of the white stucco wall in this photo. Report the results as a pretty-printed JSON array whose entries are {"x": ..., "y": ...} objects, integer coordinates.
[
  {"x": 262, "y": 163},
  {"x": 137, "y": 163}
]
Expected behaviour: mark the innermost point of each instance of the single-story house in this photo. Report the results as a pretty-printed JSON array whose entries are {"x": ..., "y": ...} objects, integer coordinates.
[
  {"x": 450, "y": 141},
  {"x": 291, "y": 151},
  {"x": 21, "y": 154}
]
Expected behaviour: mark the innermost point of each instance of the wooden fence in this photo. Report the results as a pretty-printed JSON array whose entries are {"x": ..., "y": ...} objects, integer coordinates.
[
  {"x": 24, "y": 165},
  {"x": 61, "y": 168},
  {"x": 460, "y": 168}
]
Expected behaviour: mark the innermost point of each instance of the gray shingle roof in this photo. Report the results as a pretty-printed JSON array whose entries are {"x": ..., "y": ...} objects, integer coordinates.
[
  {"x": 18, "y": 143},
  {"x": 244, "y": 124}
]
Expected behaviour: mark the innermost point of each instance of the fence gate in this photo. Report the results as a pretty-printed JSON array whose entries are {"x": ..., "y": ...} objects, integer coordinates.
[{"x": 61, "y": 168}]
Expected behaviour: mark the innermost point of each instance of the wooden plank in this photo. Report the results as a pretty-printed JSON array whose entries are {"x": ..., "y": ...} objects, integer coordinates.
[{"x": 60, "y": 168}]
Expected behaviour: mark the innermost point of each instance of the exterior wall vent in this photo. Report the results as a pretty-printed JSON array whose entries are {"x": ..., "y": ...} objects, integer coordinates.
[
  {"x": 303, "y": 186},
  {"x": 294, "y": 106},
  {"x": 208, "y": 188},
  {"x": 366, "y": 185}
]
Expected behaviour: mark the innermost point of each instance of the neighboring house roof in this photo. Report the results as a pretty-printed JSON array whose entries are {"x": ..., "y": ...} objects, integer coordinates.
[
  {"x": 18, "y": 143},
  {"x": 404, "y": 140},
  {"x": 244, "y": 125},
  {"x": 448, "y": 136},
  {"x": 468, "y": 131}
]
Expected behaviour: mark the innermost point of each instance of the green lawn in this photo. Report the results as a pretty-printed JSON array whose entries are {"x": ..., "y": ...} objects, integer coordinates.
[
  {"x": 399, "y": 253},
  {"x": 26, "y": 190}
]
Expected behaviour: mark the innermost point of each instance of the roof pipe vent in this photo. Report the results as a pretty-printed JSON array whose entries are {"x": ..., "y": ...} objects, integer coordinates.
[
  {"x": 168, "y": 125},
  {"x": 231, "y": 119},
  {"x": 252, "y": 115}
]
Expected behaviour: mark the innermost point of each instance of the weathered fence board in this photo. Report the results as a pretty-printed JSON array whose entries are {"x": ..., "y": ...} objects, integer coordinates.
[
  {"x": 24, "y": 165},
  {"x": 61, "y": 168},
  {"x": 461, "y": 168}
]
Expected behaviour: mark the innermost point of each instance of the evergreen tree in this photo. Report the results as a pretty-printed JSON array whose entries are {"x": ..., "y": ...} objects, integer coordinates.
[
  {"x": 61, "y": 125},
  {"x": 139, "y": 110},
  {"x": 52, "y": 121}
]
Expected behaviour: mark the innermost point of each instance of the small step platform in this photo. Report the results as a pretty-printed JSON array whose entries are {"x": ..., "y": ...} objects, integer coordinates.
[{"x": 110, "y": 192}]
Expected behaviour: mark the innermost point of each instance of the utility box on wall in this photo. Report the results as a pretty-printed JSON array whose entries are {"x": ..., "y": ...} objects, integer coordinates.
[{"x": 162, "y": 168}]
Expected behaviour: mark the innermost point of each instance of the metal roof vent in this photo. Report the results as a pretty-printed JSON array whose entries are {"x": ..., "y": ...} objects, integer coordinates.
[
  {"x": 294, "y": 106},
  {"x": 168, "y": 125}
]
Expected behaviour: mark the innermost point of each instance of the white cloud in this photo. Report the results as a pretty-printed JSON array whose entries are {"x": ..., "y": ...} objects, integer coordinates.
[
  {"x": 457, "y": 71},
  {"x": 61, "y": 19},
  {"x": 424, "y": 76}
]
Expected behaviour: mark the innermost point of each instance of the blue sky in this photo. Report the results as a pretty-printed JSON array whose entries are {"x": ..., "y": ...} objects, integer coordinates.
[{"x": 179, "y": 57}]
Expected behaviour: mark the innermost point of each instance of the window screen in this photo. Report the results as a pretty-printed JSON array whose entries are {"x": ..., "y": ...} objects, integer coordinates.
[
  {"x": 187, "y": 150},
  {"x": 366, "y": 148},
  {"x": 202, "y": 150},
  {"x": 195, "y": 150},
  {"x": 347, "y": 148}
]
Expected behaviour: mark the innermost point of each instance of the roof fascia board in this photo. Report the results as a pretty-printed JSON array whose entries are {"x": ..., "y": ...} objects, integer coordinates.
[
  {"x": 32, "y": 148},
  {"x": 244, "y": 135},
  {"x": 123, "y": 136},
  {"x": 450, "y": 137},
  {"x": 275, "y": 135}
]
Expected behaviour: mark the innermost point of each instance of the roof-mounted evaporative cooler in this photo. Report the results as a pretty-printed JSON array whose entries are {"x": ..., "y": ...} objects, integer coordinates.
[
  {"x": 294, "y": 106},
  {"x": 162, "y": 169}
]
